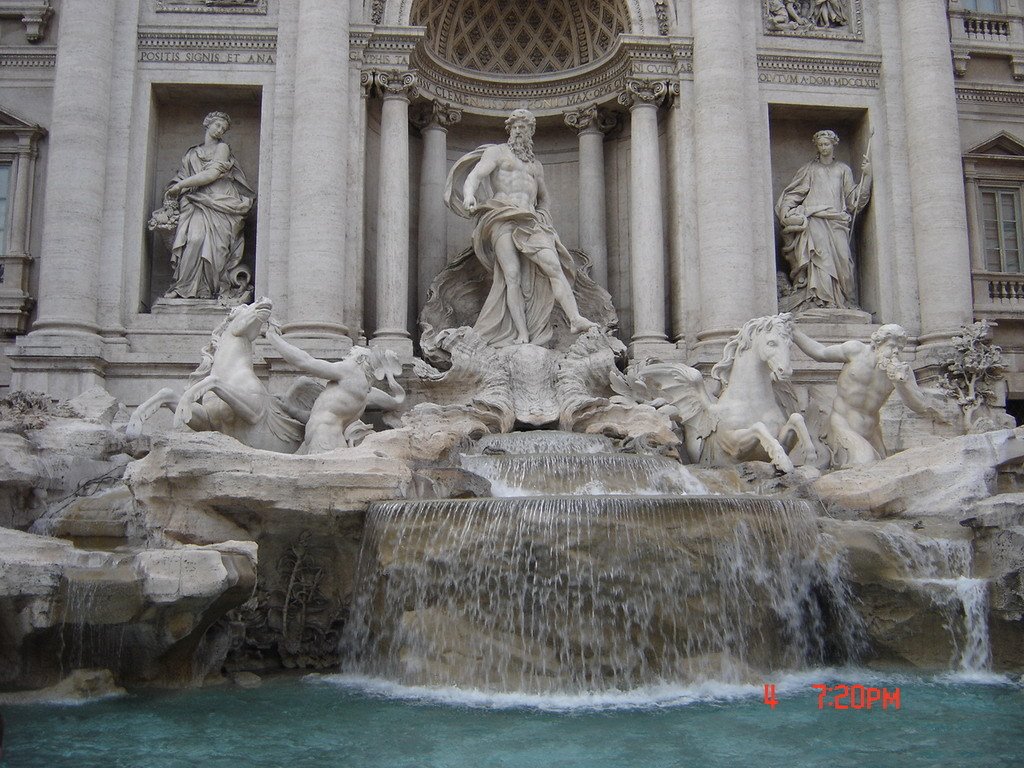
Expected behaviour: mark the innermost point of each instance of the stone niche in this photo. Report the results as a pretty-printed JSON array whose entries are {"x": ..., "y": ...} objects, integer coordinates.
[
  {"x": 177, "y": 125},
  {"x": 792, "y": 128}
]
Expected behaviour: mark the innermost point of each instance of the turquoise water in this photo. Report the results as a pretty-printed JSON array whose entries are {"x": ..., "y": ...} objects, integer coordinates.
[{"x": 292, "y": 723}]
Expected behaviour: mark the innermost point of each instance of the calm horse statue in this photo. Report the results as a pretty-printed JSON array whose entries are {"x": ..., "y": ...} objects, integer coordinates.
[
  {"x": 225, "y": 395},
  {"x": 753, "y": 417}
]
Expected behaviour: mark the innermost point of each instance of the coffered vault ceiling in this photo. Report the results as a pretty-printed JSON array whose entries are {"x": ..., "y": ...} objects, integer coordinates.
[{"x": 520, "y": 37}]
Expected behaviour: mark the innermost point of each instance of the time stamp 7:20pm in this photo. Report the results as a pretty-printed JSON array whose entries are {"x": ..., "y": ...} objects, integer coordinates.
[{"x": 842, "y": 697}]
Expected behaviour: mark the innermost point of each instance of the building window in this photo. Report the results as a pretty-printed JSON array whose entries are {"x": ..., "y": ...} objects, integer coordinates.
[
  {"x": 1001, "y": 224},
  {"x": 983, "y": 6}
]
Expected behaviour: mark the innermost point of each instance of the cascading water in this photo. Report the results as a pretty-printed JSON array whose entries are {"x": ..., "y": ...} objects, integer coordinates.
[
  {"x": 942, "y": 568},
  {"x": 577, "y": 593}
]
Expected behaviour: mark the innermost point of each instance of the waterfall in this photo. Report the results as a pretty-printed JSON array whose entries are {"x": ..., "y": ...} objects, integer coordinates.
[
  {"x": 942, "y": 569},
  {"x": 580, "y": 594},
  {"x": 591, "y": 570}
]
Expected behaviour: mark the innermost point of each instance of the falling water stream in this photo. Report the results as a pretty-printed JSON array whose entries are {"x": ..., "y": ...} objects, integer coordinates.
[
  {"x": 588, "y": 571},
  {"x": 942, "y": 568}
]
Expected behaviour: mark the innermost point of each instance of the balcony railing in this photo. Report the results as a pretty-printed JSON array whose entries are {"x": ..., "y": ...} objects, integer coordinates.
[
  {"x": 998, "y": 294},
  {"x": 990, "y": 34}
]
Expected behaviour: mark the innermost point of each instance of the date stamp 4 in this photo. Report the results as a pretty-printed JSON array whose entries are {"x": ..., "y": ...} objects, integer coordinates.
[{"x": 845, "y": 697}]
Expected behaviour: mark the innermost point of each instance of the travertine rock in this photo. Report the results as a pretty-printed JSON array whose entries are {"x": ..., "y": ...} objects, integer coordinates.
[
  {"x": 139, "y": 614},
  {"x": 937, "y": 480}
]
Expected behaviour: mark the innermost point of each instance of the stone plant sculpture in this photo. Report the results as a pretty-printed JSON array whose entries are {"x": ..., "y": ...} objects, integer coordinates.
[
  {"x": 502, "y": 187},
  {"x": 870, "y": 374},
  {"x": 817, "y": 211},
  {"x": 971, "y": 371},
  {"x": 334, "y": 419},
  {"x": 205, "y": 207},
  {"x": 225, "y": 394},
  {"x": 748, "y": 420}
]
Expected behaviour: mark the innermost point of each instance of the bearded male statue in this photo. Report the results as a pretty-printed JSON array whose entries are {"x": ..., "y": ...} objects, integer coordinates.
[{"x": 502, "y": 187}]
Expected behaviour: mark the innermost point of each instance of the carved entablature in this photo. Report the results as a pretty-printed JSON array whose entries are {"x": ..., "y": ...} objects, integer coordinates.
[
  {"x": 633, "y": 56},
  {"x": 383, "y": 48},
  {"x": 837, "y": 19},
  {"x": 177, "y": 46},
  {"x": 819, "y": 71},
  {"x": 35, "y": 15},
  {"x": 211, "y": 6}
]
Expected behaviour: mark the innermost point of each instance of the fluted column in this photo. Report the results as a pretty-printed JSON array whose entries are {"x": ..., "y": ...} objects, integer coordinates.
[
  {"x": 392, "y": 289},
  {"x": 936, "y": 176},
  {"x": 316, "y": 252},
  {"x": 72, "y": 235},
  {"x": 646, "y": 228},
  {"x": 723, "y": 168},
  {"x": 592, "y": 124},
  {"x": 433, "y": 119}
]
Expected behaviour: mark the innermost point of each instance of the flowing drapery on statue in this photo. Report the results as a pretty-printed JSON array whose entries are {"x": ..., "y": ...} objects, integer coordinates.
[
  {"x": 817, "y": 211},
  {"x": 502, "y": 186},
  {"x": 205, "y": 205}
]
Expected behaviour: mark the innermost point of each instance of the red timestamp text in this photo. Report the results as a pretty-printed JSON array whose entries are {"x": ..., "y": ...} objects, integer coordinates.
[{"x": 856, "y": 697}]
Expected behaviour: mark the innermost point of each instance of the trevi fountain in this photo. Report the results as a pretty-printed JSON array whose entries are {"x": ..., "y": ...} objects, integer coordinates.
[{"x": 521, "y": 537}]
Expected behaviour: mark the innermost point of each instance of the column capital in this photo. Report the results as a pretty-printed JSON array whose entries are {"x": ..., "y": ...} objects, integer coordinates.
[
  {"x": 591, "y": 119},
  {"x": 387, "y": 84},
  {"x": 435, "y": 114},
  {"x": 644, "y": 92}
]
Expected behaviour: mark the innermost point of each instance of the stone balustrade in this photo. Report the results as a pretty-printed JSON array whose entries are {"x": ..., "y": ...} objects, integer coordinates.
[
  {"x": 990, "y": 34},
  {"x": 998, "y": 295}
]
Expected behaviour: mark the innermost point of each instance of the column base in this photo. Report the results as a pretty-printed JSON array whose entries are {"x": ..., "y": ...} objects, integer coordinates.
[
  {"x": 397, "y": 344},
  {"x": 656, "y": 349},
  {"x": 59, "y": 365}
]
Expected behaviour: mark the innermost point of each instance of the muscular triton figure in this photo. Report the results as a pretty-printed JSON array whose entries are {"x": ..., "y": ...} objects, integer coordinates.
[
  {"x": 502, "y": 187},
  {"x": 869, "y": 375}
]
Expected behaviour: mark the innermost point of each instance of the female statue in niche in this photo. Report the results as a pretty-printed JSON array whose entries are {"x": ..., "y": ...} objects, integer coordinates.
[
  {"x": 205, "y": 206},
  {"x": 817, "y": 212}
]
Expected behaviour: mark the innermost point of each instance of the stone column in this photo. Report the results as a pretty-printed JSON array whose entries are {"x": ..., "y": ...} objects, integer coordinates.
[
  {"x": 936, "y": 176},
  {"x": 23, "y": 171},
  {"x": 592, "y": 124},
  {"x": 646, "y": 228},
  {"x": 974, "y": 226},
  {"x": 723, "y": 169},
  {"x": 392, "y": 287},
  {"x": 72, "y": 235},
  {"x": 316, "y": 245},
  {"x": 433, "y": 119}
]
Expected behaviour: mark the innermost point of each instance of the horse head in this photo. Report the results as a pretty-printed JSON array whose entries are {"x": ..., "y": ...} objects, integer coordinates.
[
  {"x": 247, "y": 320},
  {"x": 773, "y": 342},
  {"x": 769, "y": 338}
]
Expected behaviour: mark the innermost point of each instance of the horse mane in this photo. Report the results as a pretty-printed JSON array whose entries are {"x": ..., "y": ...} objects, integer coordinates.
[
  {"x": 742, "y": 341},
  {"x": 210, "y": 350}
]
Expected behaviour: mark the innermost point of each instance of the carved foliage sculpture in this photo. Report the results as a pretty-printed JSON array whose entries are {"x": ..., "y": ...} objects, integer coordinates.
[{"x": 972, "y": 369}]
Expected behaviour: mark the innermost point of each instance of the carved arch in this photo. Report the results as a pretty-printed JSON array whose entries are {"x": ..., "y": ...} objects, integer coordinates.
[{"x": 643, "y": 14}]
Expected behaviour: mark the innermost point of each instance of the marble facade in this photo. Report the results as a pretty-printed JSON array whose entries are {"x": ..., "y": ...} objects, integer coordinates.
[{"x": 690, "y": 116}]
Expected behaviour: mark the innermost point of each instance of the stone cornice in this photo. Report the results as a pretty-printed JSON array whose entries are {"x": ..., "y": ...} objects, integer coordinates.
[
  {"x": 990, "y": 94},
  {"x": 37, "y": 57},
  {"x": 634, "y": 56},
  {"x": 171, "y": 6},
  {"x": 785, "y": 68},
  {"x": 165, "y": 38}
]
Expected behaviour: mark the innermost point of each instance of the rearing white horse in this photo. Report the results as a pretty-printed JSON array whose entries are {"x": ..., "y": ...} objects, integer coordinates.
[{"x": 753, "y": 417}]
